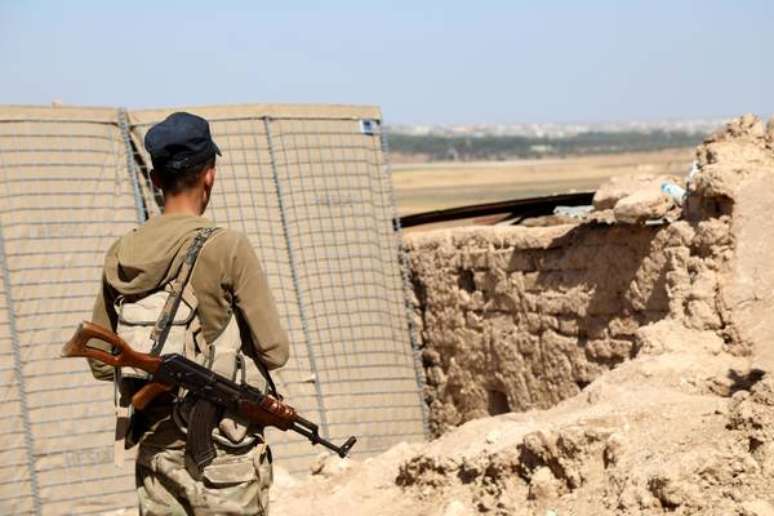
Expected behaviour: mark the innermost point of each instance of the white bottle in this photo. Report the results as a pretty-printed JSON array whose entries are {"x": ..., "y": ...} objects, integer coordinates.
[{"x": 674, "y": 191}]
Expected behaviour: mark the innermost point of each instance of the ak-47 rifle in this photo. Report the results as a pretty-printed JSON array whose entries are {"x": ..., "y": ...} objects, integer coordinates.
[{"x": 213, "y": 391}]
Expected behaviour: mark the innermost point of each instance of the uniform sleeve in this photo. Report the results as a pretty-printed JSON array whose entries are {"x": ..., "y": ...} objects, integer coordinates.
[
  {"x": 104, "y": 315},
  {"x": 255, "y": 302}
]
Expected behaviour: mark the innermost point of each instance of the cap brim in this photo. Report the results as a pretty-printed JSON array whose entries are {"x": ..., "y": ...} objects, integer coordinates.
[{"x": 217, "y": 149}]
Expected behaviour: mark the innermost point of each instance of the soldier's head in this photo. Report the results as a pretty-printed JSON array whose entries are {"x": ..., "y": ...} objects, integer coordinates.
[{"x": 183, "y": 155}]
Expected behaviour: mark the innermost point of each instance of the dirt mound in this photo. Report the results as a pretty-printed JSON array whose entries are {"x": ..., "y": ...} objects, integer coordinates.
[
  {"x": 680, "y": 423},
  {"x": 651, "y": 436}
]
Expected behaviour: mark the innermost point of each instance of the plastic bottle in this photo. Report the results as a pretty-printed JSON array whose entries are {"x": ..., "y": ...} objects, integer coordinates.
[{"x": 674, "y": 191}]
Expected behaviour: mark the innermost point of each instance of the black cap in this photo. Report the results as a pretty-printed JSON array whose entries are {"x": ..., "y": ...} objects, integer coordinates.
[{"x": 181, "y": 141}]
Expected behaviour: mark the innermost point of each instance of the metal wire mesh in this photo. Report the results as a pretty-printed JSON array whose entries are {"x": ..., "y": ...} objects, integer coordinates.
[
  {"x": 340, "y": 233},
  {"x": 309, "y": 187},
  {"x": 66, "y": 196}
]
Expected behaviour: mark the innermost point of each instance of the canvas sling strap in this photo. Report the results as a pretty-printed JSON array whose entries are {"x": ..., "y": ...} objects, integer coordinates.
[
  {"x": 167, "y": 315},
  {"x": 159, "y": 334}
]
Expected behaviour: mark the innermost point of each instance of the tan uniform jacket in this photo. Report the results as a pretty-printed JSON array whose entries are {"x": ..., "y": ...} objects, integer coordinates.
[{"x": 227, "y": 277}]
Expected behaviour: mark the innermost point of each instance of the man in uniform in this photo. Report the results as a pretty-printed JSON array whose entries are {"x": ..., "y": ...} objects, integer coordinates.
[{"x": 228, "y": 284}]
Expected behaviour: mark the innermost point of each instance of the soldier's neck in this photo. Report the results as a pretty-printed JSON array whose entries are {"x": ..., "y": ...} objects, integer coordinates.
[{"x": 189, "y": 203}]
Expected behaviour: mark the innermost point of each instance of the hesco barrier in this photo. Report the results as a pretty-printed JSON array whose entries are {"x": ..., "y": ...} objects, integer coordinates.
[{"x": 307, "y": 184}]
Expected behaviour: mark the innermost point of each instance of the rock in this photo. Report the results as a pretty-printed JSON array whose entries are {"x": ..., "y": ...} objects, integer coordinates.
[
  {"x": 751, "y": 414},
  {"x": 615, "y": 189},
  {"x": 328, "y": 465},
  {"x": 430, "y": 357},
  {"x": 642, "y": 205},
  {"x": 543, "y": 485},
  {"x": 613, "y": 449},
  {"x": 672, "y": 493},
  {"x": 282, "y": 478},
  {"x": 746, "y": 125},
  {"x": 757, "y": 508},
  {"x": 456, "y": 508},
  {"x": 492, "y": 437}
]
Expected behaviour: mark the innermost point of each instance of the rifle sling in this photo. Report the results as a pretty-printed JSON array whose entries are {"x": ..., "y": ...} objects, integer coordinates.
[{"x": 167, "y": 316}]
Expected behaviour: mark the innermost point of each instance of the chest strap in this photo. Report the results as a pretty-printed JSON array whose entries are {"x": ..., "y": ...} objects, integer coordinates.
[{"x": 167, "y": 315}]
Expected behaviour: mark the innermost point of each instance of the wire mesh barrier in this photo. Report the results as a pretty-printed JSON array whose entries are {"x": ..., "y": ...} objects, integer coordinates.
[
  {"x": 309, "y": 187},
  {"x": 66, "y": 197}
]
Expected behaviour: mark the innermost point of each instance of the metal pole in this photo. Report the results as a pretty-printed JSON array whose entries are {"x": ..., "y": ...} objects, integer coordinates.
[
  {"x": 18, "y": 368},
  {"x": 131, "y": 166},
  {"x": 404, "y": 269}
]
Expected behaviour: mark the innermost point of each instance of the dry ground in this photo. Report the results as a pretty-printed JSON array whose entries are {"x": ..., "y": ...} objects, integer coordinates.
[
  {"x": 606, "y": 443},
  {"x": 428, "y": 186}
]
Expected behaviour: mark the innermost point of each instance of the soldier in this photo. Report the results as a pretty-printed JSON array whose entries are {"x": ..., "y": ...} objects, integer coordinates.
[{"x": 227, "y": 313}]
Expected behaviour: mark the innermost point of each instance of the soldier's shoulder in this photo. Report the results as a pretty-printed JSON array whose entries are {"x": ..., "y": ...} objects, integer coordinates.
[
  {"x": 225, "y": 240},
  {"x": 226, "y": 235}
]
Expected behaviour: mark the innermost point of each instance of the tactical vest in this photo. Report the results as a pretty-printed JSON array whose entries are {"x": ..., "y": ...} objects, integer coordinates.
[{"x": 167, "y": 320}]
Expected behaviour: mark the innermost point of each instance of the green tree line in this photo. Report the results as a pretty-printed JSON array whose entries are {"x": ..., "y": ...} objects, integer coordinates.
[{"x": 470, "y": 148}]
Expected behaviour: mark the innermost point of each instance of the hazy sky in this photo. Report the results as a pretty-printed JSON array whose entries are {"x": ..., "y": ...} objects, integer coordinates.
[{"x": 436, "y": 62}]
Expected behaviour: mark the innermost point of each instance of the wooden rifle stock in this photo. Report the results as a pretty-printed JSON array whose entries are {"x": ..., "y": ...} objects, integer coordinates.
[{"x": 122, "y": 356}]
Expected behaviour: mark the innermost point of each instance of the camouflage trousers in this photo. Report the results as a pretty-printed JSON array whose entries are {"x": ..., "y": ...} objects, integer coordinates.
[{"x": 234, "y": 483}]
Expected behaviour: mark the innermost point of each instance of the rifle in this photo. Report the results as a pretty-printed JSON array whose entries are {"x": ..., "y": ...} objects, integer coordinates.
[{"x": 213, "y": 391}]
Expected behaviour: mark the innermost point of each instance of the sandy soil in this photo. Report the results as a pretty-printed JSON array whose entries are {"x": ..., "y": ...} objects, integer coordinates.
[
  {"x": 603, "y": 452},
  {"x": 429, "y": 186}
]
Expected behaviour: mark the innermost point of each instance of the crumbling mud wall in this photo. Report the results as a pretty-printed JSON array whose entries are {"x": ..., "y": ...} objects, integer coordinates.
[
  {"x": 514, "y": 318},
  {"x": 736, "y": 185}
]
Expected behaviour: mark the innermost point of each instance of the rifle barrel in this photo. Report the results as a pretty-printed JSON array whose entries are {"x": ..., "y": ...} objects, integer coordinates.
[{"x": 314, "y": 437}]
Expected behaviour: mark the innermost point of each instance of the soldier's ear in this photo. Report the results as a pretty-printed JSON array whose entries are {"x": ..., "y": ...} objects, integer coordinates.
[{"x": 209, "y": 177}]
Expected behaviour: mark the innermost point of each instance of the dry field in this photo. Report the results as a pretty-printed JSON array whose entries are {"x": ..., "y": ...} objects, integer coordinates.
[{"x": 428, "y": 186}]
